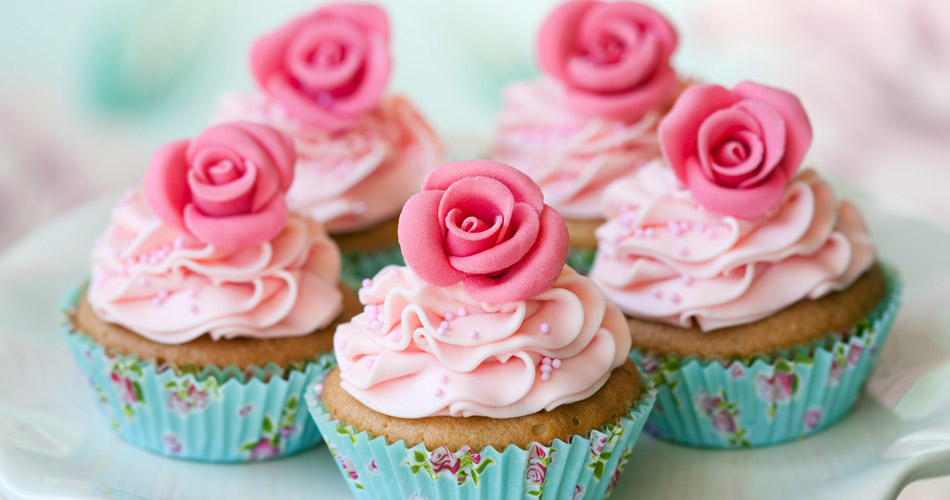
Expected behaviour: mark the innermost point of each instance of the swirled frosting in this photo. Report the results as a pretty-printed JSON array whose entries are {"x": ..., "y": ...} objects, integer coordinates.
[
  {"x": 352, "y": 179},
  {"x": 573, "y": 158},
  {"x": 420, "y": 350},
  {"x": 172, "y": 289},
  {"x": 663, "y": 257}
]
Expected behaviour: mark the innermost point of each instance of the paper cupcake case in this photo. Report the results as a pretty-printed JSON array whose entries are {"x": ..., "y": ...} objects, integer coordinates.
[
  {"x": 212, "y": 415},
  {"x": 586, "y": 468},
  {"x": 358, "y": 266},
  {"x": 747, "y": 403}
]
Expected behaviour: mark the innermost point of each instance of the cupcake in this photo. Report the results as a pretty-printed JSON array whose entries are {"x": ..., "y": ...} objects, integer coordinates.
[
  {"x": 210, "y": 307},
  {"x": 754, "y": 295},
  {"x": 361, "y": 153},
  {"x": 592, "y": 118},
  {"x": 486, "y": 368}
]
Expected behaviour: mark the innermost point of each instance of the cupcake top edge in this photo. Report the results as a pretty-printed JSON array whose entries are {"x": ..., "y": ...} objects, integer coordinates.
[
  {"x": 726, "y": 230},
  {"x": 211, "y": 247}
]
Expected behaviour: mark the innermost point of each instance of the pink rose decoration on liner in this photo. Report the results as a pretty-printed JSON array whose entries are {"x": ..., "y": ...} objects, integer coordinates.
[
  {"x": 612, "y": 58},
  {"x": 573, "y": 159},
  {"x": 484, "y": 224},
  {"x": 148, "y": 277},
  {"x": 327, "y": 68},
  {"x": 662, "y": 256},
  {"x": 736, "y": 150},
  {"x": 225, "y": 187},
  {"x": 352, "y": 179},
  {"x": 420, "y": 350}
]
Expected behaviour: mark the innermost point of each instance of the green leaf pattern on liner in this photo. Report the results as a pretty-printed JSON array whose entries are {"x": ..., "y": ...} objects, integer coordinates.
[
  {"x": 358, "y": 266},
  {"x": 272, "y": 437},
  {"x": 581, "y": 259}
]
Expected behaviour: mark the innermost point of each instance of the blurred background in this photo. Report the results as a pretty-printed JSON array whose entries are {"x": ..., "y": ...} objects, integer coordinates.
[{"x": 89, "y": 89}]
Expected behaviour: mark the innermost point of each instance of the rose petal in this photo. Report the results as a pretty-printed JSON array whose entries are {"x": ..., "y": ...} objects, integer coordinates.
[
  {"x": 773, "y": 137},
  {"x": 631, "y": 105},
  {"x": 798, "y": 132},
  {"x": 557, "y": 39},
  {"x": 238, "y": 231},
  {"x": 679, "y": 129},
  {"x": 304, "y": 109},
  {"x": 314, "y": 75},
  {"x": 166, "y": 183},
  {"x": 534, "y": 274},
  {"x": 224, "y": 200},
  {"x": 376, "y": 67},
  {"x": 747, "y": 204},
  {"x": 421, "y": 239},
  {"x": 525, "y": 224},
  {"x": 461, "y": 241},
  {"x": 521, "y": 186},
  {"x": 482, "y": 197}
]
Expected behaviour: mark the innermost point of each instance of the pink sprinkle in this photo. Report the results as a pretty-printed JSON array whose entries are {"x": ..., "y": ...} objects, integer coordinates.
[
  {"x": 687, "y": 280},
  {"x": 371, "y": 309},
  {"x": 546, "y": 361},
  {"x": 443, "y": 378},
  {"x": 157, "y": 301},
  {"x": 179, "y": 242},
  {"x": 192, "y": 292},
  {"x": 711, "y": 233},
  {"x": 166, "y": 248},
  {"x": 546, "y": 368},
  {"x": 545, "y": 376},
  {"x": 648, "y": 232},
  {"x": 473, "y": 334},
  {"x": 638, "y": 232},
  {"x": 143, "y": 282},
  {"x": 682, "y": 250},
  {"x": 445, "y": 325},
  {"x": 367, "y": 283},
  {"x": 556, "y": 363},
  {"x": 394, "y": 271},
  {"x": 462, "y": 312},
  {"x": 657, "y": 294},
  {"x": 154, "y": 259},
  {"x": 439, "y": 392},
  {"x": 375, "y": 325},
  {"x": 674, "y": 227},
  {"x": 545, "y": 329},
  {"x": 163, "y": 294},
  {"x": 395, "y": 337},
  {"x": 441, "y": 331},
  {"x": 449, "y": 316},
  {"x": 193, "y": 309},
  {"x": 675, "y": 298},
  {"x": 317, "y": 388},
  {"x": 701, "y": 227},
  {"x": 685, "y": 225}
]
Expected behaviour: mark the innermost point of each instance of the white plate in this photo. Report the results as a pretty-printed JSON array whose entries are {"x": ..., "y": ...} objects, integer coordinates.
[{"x": 53, "y": 443}]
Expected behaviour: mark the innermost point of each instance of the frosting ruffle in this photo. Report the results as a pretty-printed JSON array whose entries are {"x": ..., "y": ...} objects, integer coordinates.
[
  {"x": 352, "y": 179},
  {"x": 420, "y": 350},
  {"x": 148, "y": 277},
  {"x": 663, "y": 257},
  {"x": 573, "y": 158}
]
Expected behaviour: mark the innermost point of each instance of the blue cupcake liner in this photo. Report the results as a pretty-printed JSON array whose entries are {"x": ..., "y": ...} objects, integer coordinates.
[
  {"x": 581, "y": 259},
  {"x": 712, "y": 403},
  {"x": 587, "y": 467},
  {"x": 358, "y": 266},
  {"x": 210, "y": 415}
]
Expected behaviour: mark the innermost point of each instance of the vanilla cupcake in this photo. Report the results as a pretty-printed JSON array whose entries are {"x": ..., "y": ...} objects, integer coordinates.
[
  {"x": 754, "y": 296},
  {"x": 486, "y": 368},
  {"x": 361, "y": 153},
  {"x": 210, "y": 307},
  {"x": 592, "y": 118}
]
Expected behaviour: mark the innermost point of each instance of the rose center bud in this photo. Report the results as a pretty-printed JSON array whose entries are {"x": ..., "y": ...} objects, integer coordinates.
[
  {"x": 473, "y": 224},
  {"x": 326, "y": 54},
  {"x": 467, "y": 234},
  {"x": 732, "y": 153},
  {"x": 223, "y": 172},
  {"x": 609, "y": 48}
]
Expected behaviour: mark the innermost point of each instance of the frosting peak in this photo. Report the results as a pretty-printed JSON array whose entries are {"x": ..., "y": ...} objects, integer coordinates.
[
  {"x": 170, "y": 288},
  {"x": 421, "y": 350},
  {"x": 662, "y": 256}
]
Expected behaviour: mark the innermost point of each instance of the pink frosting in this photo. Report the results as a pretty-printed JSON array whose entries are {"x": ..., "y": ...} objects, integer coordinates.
[
  {"x": 151, "y": 278},
  {"x": 572, "y": 157},
  {"x": 612, "y": 57},
  {"x": 661, "y": 256},
  {"x": 226, "y": 187},
  {"x": 421, "y": 350},
  {"x": 356, "y": 178},
  {"x": 328, "y": 67},
  {"x": 485, "y": 224},
  {"x": 736, "y": 150}
]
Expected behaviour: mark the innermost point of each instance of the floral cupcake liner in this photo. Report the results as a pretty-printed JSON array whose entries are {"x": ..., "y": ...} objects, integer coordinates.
[
  {"x": 587, "y": 467},
  {"x": 358, "y": 266},
  {"x": 211, "y": 415},
  {"x": 581, "y": 259},
  {"x": 712, "y": 403}
]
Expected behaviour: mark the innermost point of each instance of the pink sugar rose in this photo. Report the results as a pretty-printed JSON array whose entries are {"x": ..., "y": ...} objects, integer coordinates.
[
  {"x": 485, "y": 224},
  {"x": 613, "y": 58},
  {"x": 225, "y": 187},
  {"x": 326, "y": 68},
  {"x": 736, "y": 150}
]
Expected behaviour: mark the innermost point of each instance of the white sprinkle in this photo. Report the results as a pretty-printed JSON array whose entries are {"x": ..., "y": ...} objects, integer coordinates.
[
  {"x": 648, "y": 232},
  {"x": 462, "y": 312},
  {"x": 143, "y": 282},
  {"x": 545, "y": 376},
  {"x": 685, "y": 225},
  {"x": 657, "y": 294},
  {"x": 556, "y": 363},
  {"x": 449, "y": 316},
  {"x": 682, "y": 250},
  {"x": 375, "y": 325},
  {"x": 444, "y": 325},
  {"x": 546, "y": 361},
  {"x": 163, "y": 294},
  {"x": 546, "y": 368},
  {"x": 192, "y": 292},
  {"x": 545, "y": 329},
  {"x": 371, "y": 309},
  {"x": 179, "y": 242},
  {"x": 395, "y": 337},
  {"x": 675, "y": 298},
  {"x": 443, "y": 378},
  {"x": 394, "y": 271},
  {"x": 367, "y": 283},
  {"x": 638, "y": 232},
  {"x": 473, "y": 334},
  {"x": 439, "y": 393},
  {"x": 687, "y": 280},
  {"x": 441, "y": 331},
  {"x": 193, "y": 309}
]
